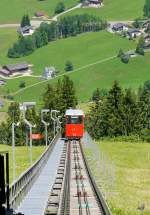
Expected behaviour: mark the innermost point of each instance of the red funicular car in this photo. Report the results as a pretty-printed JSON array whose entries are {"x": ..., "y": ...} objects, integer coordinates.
[{"x": 74, "y": 124}]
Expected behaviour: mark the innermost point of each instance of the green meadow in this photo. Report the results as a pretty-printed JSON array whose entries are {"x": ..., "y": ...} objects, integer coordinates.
[
  {"x": 83, "y": 50},
  {"x": 11, "y": 11},
  {"x": 22, "y": 157},
  {"x": 115, "y": 10},
  {"x": 131, "y": 175}
]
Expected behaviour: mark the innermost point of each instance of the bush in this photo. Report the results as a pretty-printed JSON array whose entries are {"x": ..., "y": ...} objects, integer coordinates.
[
  {"x": 22, "y": 84},
  {"x": 59, "y": 8},
  {"x": 69, "y": 66},
  {"x": 125, "y": 58},
  {"x": 140, "y": 50}
]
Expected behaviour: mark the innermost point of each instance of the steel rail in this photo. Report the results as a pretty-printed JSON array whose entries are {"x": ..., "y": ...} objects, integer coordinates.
[
  {"x": 100, "y": 199},
  {"x": 65, "y": 208},
  {"x": 20, "y": 188}
]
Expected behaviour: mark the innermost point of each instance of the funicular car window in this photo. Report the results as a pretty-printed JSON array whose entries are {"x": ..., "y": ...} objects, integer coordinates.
[{"x": 74, "y": 119}]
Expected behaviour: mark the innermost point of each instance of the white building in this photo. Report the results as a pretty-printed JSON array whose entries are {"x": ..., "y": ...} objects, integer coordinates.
[
  {"x": 26, "y": 31},
  {"x": 49, "y": 72}
]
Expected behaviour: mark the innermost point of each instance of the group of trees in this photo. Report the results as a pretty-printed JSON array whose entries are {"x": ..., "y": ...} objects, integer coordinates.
[
  {"x": 60, "y": 97},
  {"x": 120, "y": 113},
  {"x": 147, "y": 8},
  {"x": 65, "y": 27}
]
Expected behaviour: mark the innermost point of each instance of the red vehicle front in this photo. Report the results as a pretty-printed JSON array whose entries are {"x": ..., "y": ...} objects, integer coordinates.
[{"x": 74, "y": 124}]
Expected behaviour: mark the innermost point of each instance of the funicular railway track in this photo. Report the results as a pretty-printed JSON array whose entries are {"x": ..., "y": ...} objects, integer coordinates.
[{"x": 76, "y": 193}]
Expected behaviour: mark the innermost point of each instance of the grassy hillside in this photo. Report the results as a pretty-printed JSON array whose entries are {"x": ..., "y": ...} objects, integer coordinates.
[
  {"x": 116, "y": 10},
  {"x": 22, "y": 157},
  {"x": 131, "y": 178},
  {"x": 100, "y": 75},
  {"x": 11, "y": 11},
  {"x": 7, "y": 38},
  {"x": 82, "y": 50}
]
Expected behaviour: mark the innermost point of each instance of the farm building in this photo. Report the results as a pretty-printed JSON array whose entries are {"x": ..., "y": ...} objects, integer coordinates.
[
  {"x": 19, "y": 67},
  {"x": 4, "y": 72},
  {"x": 39, "y": 14},
  {"x": 119, "y": 27},
  {"x": 92, "y": 3},
  {"x": 147, "y": 38},
  {"x": 49, "y": 72},
  {"x": 133, "y": 33},
  {"x": 26, "y": 31}
]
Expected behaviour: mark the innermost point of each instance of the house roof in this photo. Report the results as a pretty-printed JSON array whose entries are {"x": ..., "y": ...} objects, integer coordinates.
[
  {"x": 25, "y": 28},
  {"x": 74, "y": 112},
  {"x": 95, "y": 1},
  {"x": 4, "y": 71},
  {"x": 18, "y": 66},
  {"x": 39, "y": 13},
  {"x": 118, "y": 25},
  {"x": 131, "y": 31},
  {"x": 147, "y": 36}
]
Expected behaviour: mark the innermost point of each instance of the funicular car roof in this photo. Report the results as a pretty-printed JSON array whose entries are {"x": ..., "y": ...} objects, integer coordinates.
[{"x": 74, "y": 112}]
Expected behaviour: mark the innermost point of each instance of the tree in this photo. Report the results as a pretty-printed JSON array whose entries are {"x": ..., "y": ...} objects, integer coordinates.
[
  {"x": 140, "y": 46},
  {"x": 25, "y": 21},
  {"x": 129, "y": 112},
  {"x": 114, "y": 111},
  {"x": 144, "y": 114},
  {"x": 148, "y": 28},
  {"x": 137, "y": 23},
  {"x": 96, "y": 95},
  {"x": 22, "y": 84},
  {"x": 68, "y": 66},
  {"x": 124, "y": 57},
  {"x": 147, "y": 8},
  {"x": 60, "y": 7}
]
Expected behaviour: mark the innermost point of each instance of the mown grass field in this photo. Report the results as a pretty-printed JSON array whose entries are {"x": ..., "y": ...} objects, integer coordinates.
[
  {"x": 132, "y": 175},
  {"x": 102, "y": 75},
  {"x": 22, "y": 157},
  {"x": 11, "y": 11},
  {"x": 115, "y": 10},
  {"x": 86, "y": 49}
]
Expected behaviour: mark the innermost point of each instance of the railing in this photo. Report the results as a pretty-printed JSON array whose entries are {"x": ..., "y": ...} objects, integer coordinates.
[
  {"x": 20, "y": 188},
  {"x": 65, "y": 204}
]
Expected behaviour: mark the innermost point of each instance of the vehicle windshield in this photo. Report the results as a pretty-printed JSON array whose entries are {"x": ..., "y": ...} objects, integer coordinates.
[{"x": 74, "y": 119}]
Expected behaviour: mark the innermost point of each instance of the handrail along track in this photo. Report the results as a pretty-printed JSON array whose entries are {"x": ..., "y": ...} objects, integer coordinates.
[{"x": 20, "y": 187}]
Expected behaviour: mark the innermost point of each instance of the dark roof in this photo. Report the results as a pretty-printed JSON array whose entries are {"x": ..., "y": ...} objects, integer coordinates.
[
  {"x": 95, "y": 1},
  {"x": 18, "y": 66},
  {"x": 130, "y": 31},
  {"x": 4, "y": 71},
  {"x": 147, "y": 36},
  {"x": 22, "y": 29},
  {"x": 118, "y": 26}
]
